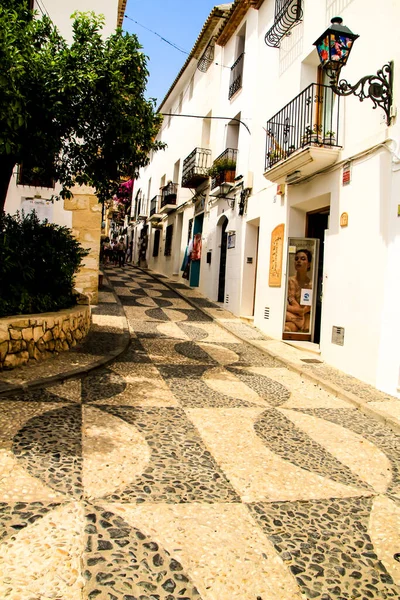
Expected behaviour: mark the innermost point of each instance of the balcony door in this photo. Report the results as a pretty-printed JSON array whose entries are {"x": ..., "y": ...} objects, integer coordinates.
[{"x": 325, "y": 117}]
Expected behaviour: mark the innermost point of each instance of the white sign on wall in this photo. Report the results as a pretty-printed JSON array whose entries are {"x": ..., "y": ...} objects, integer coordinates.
[{"x": 42, "y": 207}]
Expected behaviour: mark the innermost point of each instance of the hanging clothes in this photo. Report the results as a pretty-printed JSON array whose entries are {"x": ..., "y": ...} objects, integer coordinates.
[{"x": 196, "y": 252}]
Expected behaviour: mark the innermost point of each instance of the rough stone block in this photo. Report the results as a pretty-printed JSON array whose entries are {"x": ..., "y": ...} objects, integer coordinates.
[
  {"x": 51, "y": 345},
  {"x": 65, "y": 345},
  {"x": 78, "y": 334},
  {"x": 49, "y": 323},
  {"x": 58, "y": 346},
  {"x": 15, "y": 334},
  {"x": 20, "y": 323},
  {"x": 15, "y": 346},
  {"x": 27, "y": 333},
  {"x": 56, "y": 332},
  {"x": 3, "y": 350},
  {"x": 37, "y": 333},
  {"x": 48, "y": 336}
]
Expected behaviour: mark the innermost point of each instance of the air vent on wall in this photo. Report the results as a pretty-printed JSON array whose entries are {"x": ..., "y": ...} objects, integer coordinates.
[
  {"x": 338, "y": 335},
  {"x": 227, "y": 299},
  {"x": 266, "y": 312}
]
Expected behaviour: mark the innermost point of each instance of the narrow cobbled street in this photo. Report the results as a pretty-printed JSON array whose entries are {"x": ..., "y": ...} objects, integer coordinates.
[{"x": 194, "y": 466}]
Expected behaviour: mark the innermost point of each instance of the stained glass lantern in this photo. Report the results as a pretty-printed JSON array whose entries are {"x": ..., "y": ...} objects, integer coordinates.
[{"x": 334, "y": 47}]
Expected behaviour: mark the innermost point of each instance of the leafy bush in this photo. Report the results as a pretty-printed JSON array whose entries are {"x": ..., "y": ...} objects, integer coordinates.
[{"x": 38, "y": 262}]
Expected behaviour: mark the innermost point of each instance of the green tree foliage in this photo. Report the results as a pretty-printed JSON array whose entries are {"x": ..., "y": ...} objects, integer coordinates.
[
  {"x": 38, "y": 262},
  {"x": 76, "y": 109}
]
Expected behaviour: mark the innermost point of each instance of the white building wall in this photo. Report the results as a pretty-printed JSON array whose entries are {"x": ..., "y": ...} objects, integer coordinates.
[{"x": 362, "y": 261}]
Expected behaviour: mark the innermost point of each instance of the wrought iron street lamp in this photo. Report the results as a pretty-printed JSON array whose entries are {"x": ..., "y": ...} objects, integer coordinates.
[{"x": 334, "y": 47}]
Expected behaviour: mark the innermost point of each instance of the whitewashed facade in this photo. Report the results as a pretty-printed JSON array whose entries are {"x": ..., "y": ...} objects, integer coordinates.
[{"x": 303, "y": 189}]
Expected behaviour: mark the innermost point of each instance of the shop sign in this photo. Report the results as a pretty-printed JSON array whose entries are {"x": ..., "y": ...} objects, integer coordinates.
[
  {"x": 276, "y": 256},
  {"x": 231, "y": 239},
  {"x": 346, "y": 174}
]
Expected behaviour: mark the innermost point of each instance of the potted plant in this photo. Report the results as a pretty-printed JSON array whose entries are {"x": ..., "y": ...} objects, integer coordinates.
[
  {"x": 329, "y": 137},
  {"x": 223, "y": 171},
  {"x": 311, "y": 136},
  {"x": 221, "y": 166},
  {"x": 274, "y": 156}
]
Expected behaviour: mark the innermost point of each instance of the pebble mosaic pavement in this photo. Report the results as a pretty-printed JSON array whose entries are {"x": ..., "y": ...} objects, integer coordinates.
[{"x": 194, "y": 467}]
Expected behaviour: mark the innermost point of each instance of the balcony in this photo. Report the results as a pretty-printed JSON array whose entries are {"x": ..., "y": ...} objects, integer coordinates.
[
  {"x": 236, "y": 76},
  {"x": 223, "y": 169},
  {"x": 168, "y": 197},
  {"x": 302, "y": 137},
  {"x": 288, "y": 13},
  {"x": 154, "y": 204},
  {"x": 195, "y": 168}
]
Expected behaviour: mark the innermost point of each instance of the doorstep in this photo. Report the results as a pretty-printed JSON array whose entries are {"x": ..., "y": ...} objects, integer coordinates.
[
  {"x": 308, "y": 346},
  {"x": 249, "y": 320}
]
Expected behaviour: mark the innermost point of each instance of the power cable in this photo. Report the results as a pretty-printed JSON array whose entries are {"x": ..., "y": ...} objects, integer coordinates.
[{"x": 158, "y": 35}]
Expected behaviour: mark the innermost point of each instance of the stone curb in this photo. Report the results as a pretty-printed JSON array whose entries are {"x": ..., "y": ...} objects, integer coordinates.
[
  {"x": 325, "y": 384},
  {"x": 125, "y": 337}
]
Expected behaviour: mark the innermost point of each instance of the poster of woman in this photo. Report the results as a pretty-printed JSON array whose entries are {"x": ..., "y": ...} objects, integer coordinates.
[{"x": 302, "y": 262}]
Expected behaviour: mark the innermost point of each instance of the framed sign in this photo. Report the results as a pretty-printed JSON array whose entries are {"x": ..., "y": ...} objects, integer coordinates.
[
  {"x": 301, "y": 283},
  {"x": 231, "y": 239},
  {"x": 276, "y": 256}
]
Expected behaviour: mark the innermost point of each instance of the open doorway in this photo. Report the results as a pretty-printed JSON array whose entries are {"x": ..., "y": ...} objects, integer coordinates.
[
  {"x": 222, "y": 262},
  {"x": 317, "y": 221}
]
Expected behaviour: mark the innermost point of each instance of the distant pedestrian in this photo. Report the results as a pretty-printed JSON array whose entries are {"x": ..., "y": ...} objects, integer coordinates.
[
  {"x": 121, "y": 249},
  {"x": 128, "y": 256}
]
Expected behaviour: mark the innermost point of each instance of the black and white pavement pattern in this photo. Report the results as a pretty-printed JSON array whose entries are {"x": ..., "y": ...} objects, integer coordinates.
[{"x": 194, "y": 467}]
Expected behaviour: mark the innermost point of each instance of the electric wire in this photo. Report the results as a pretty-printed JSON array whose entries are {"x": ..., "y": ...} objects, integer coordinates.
[{"x": 158, "y": 35}]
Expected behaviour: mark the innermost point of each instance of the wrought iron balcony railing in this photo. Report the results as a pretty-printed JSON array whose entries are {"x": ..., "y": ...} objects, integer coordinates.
[
  {"x": 195, "y": 167},
  {"x": 312, "y": 118},
  {"x": 223, "y": 169},
  {"x": 154, "y": 204},
  {"x": 168, "y": 194},
  {"x": 236, "y": 76},
  {"x": 287, "y": 14}
]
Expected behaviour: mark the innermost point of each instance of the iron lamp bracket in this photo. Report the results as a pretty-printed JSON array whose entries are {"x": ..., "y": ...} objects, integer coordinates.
[{"x": 378, "y": 88}]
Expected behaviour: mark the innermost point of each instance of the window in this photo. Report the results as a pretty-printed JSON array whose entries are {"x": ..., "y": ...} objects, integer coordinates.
[
  {"x": 177, "y": 167},
  {"x": 35, "y": 176},
  {"x": 191, "y": 88},
  {"x": 156, "y": 246},
  {"x": 235, "y": 83},
  {"x": 168, "y": 240}
]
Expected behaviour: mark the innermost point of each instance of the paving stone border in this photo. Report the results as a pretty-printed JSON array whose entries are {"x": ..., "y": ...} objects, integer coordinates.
[{"x": 38, "y": 337}]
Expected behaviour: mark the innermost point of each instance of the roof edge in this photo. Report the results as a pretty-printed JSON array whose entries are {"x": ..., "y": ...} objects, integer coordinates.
[{"x": 218, "y": 12}]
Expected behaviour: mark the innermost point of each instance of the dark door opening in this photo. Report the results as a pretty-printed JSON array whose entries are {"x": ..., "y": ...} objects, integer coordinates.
[
  {"x": 222, "y": 262},
  {"x": 317, "y": 222}
]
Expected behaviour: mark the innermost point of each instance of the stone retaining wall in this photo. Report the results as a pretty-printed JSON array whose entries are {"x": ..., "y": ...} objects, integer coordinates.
[{"x": 37, "y": 337}]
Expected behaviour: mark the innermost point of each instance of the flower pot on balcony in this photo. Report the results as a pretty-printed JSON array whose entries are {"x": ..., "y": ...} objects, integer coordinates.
[{"x": 329, "y": 138}]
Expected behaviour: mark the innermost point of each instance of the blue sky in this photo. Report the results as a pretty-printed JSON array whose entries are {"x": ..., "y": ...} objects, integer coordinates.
[{"x": 180, "y": 22}]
